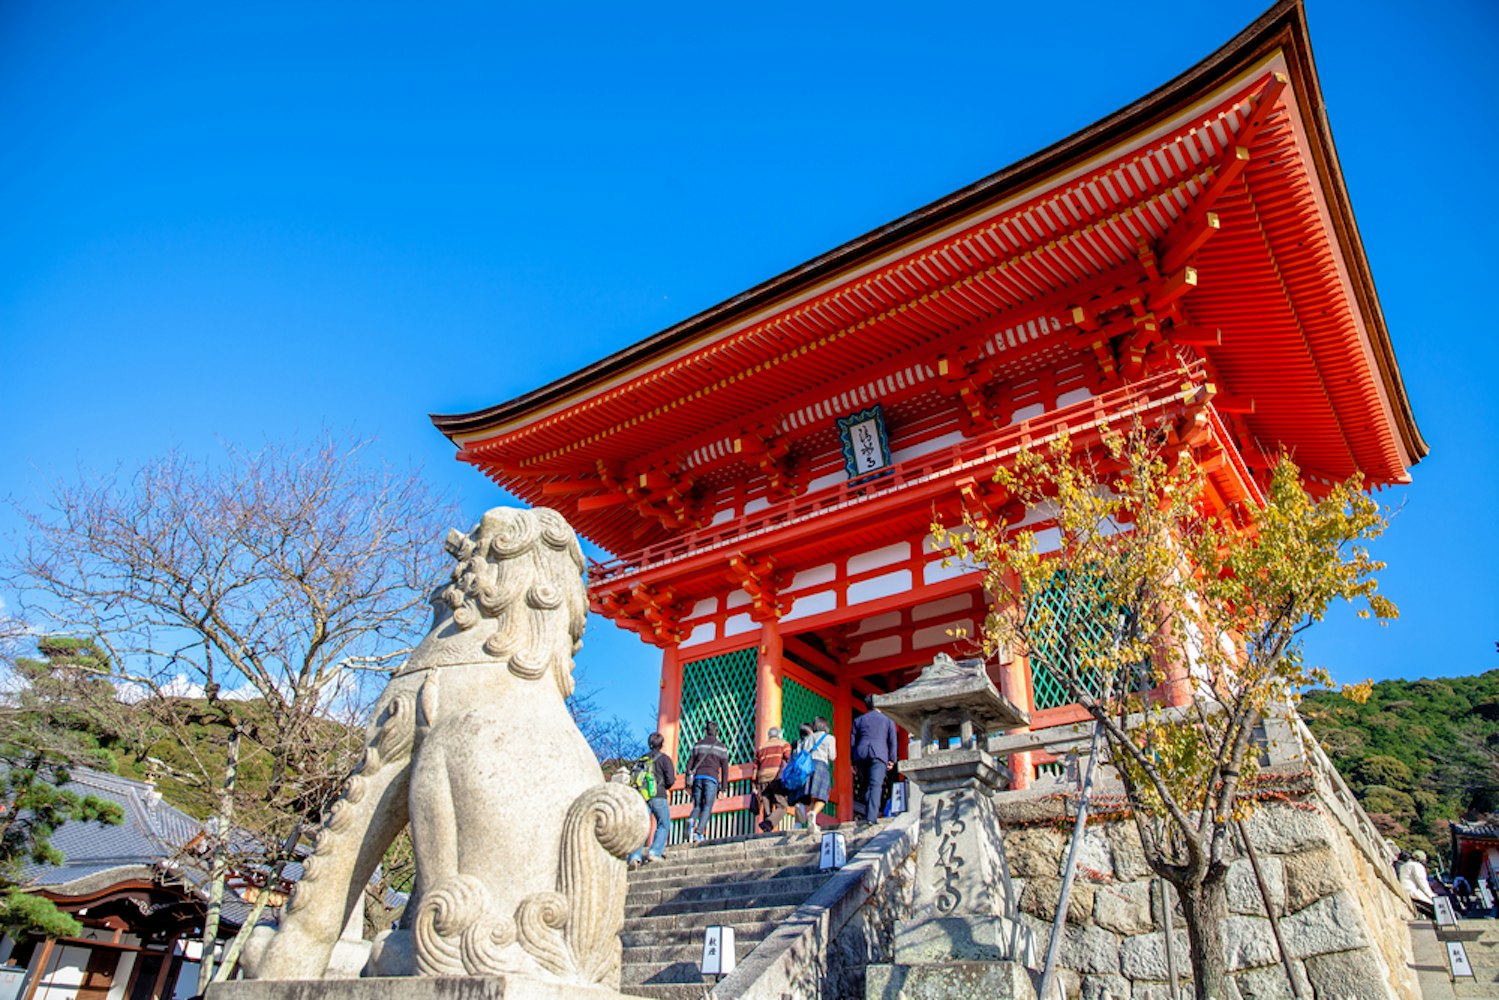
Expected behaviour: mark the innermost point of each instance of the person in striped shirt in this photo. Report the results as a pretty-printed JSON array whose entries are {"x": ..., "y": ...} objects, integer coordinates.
[{"x": 709, "y": 768}]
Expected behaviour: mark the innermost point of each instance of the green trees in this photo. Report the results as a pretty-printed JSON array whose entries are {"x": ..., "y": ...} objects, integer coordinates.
[
  {"x": 48, "y": 721},
  {"x": 32, "y": 806},
  {"x": 1418, "y": 753}
]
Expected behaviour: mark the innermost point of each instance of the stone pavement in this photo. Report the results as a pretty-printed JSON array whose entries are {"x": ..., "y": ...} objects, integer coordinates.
[{"x": 1480, "y": 938}]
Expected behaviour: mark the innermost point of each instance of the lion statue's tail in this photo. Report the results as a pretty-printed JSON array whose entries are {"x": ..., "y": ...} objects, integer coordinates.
[{"x": 575, "y": 931}]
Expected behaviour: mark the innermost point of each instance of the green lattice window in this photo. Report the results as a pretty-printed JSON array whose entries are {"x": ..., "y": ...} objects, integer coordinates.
[
  {"x": 1076, "y": 618},
  {"x": 720, "y": 689},
  {"x": 799, "y": 705}
]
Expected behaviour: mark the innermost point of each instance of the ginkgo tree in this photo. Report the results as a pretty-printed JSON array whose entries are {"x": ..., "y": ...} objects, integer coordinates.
[{"x": 1178, "y": 592}]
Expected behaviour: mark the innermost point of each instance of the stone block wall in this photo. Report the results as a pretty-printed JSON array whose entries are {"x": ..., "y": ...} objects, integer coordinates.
[{"x": 1342, "y": 922}]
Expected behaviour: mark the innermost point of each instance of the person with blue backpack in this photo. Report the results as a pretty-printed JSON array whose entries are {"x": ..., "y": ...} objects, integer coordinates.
[{"x": 814, "y": 756}]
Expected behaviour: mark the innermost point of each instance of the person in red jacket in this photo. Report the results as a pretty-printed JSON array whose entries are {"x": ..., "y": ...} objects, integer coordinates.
[{"x": 769, "y": 793}]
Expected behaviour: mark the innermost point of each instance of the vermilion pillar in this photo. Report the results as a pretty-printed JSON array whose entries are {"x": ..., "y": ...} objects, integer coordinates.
[
  {"x": 1015, "y": 684},
  {"x": 768, "y": 675},
  {"x": 669, "y": 714},
  {"x": 843, "y": 767}
]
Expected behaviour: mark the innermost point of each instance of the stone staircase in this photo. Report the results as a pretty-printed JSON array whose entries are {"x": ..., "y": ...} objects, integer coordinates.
[
  {"x": 750, "y": 883},
  {"x": 1480, "y": 940}
]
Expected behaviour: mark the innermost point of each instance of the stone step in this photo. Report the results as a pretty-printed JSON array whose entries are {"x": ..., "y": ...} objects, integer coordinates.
[
  {"x": 726, "y": 887},
  {"x": 650, "y": 936},
  {"x": 750, "y": 845},
  {"x": 734, "y": 917},
  {"x": 662, "y": 876},
  {"x": 771, "y": 895},
  {"x": 764, "y": 850},
  {"x": 633, "y": 974},
  {"x": 668, "y": 991},
  {"x": 690, "y": 950}
]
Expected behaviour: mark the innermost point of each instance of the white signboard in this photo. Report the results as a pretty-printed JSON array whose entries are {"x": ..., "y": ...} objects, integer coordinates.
[
  {"x": 834, "y": 852},
  {"x": 1457, "y": 958},
  {"x": 898, "y": 798},
  {"x": 1445, "y": 916},
  {"x": 1485, "y": 896},
  {"x": 718, "y": 951}
]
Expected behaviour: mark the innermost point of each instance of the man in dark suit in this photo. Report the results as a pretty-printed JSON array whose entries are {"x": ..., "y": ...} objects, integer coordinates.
[{"x": 873, "y": 756}]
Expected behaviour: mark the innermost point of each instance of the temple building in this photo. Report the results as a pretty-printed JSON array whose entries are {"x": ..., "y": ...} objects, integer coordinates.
[
  {"x": 139, "y": 892},
  {"x": 764, "y": 475}
]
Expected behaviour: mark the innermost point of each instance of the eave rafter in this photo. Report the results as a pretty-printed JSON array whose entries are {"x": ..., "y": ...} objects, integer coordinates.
[
  {"x": 767, "y": 449},
  {"x": 661, "y": 493}
]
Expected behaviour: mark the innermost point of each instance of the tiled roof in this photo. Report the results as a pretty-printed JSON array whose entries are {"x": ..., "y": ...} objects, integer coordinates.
[
  {"x": 151, "y": 831},
  {"x": 1488, "y": 831}
]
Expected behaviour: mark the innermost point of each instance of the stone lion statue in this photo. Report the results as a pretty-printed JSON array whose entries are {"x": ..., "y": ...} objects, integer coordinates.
[{"x": 519, "y": 842}]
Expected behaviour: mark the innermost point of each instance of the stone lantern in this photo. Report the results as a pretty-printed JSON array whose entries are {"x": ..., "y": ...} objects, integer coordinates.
[{"x": 963, "y": 937}]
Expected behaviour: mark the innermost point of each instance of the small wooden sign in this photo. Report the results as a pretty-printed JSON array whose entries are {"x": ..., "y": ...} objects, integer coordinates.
[
  {"x": 1457, "y": 960},
  {"x": 718, "y": 951},
  {"x": 834, "y": 852},
  {"x": 866, "y": 448},
  {"x": 1445, "y": 916}
]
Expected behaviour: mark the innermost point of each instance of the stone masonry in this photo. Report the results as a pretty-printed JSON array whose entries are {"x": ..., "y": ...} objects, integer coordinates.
[{"x": 1340, "y": 920}]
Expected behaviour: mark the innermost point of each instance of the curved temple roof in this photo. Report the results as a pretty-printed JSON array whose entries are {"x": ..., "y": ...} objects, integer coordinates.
[{"x": 1214, "y": 207}]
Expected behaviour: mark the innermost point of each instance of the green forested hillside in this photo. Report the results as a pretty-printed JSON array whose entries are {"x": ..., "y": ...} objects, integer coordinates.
[{"x": 1417, "y": 753}]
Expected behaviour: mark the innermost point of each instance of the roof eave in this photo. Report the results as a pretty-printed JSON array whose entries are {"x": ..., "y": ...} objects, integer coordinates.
[{"x": 1283, "y": 26}]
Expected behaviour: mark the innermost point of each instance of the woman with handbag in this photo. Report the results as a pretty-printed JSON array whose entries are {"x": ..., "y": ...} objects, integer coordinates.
[{"x": 823, "y": 750}]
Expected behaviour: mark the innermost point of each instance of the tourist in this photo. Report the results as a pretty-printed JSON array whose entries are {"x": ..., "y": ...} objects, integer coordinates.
[
  {"x": 769, "y": 792},
  {"x": 873, "y": 753},
  {"x": 802, "y": 732},
  {"x": 665, "y": 775},
  {"x": 1462, "y": 892},
  {"x": 823, "y": 750},
  {"x": 1413, "y": 878},
  {"x": 709, "y": 768}
]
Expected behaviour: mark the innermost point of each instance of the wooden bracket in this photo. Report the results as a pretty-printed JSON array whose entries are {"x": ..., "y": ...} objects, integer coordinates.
[
  {"x": 651, "y": 612},
  {"x": 758, "y": 578}
]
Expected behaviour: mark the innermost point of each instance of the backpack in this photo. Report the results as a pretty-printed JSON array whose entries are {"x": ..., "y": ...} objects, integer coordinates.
[
  {"x": 799, "y": 768},
  {"x": 643, "y": 776}
]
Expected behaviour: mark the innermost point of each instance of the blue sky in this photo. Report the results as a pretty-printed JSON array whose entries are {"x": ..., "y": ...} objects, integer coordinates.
[{"x": 248, "y": 224}]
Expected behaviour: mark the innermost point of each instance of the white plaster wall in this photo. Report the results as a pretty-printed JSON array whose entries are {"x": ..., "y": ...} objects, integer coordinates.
[
  {"x": 813, "y": 577},
  {"x": 927, "y": 447},
  {"x": 935, "y": 572},
  {"x": 887, "y": 556},
  {"x": 64, "y": 973},
  {"x": 942, "y": 635},
  {"x": 878, "y": 623},
  {"x": 812, "y": 604},
  {"x": 699, "y": 635},
  {"x": 876, "y": 648},
  {"x": 879, "y": 586},
  {"x": 122, "y": 975},
  {"x": 936, "y": 609},
  {"x": 738, "y": 624}
]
